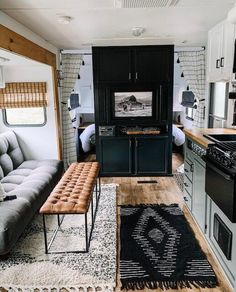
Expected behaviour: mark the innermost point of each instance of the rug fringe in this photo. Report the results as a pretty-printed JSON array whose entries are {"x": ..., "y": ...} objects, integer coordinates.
[
  {"x": 81, "y": 288},
  {"x": 149, "y": 205},
  {"x": 163, "y": 285}
]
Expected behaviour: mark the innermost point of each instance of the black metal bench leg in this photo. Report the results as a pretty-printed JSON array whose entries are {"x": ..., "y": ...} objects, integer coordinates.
[
  {"x": 58, "y": 220},
  {"x": 86, "y": 232},
  {"x": 92, "y": 216},
  {"x": 45, "y": 234}
]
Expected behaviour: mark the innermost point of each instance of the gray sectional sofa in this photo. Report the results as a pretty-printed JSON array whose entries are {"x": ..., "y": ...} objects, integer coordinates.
[{"x": 31, "y": 181}]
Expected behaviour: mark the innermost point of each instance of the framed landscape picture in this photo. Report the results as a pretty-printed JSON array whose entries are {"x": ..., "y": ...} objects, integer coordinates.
[{"x": 133, "y": 104}]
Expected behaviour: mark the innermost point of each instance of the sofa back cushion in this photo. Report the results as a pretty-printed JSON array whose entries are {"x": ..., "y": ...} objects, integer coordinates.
[{"x": 11, "y": 155}]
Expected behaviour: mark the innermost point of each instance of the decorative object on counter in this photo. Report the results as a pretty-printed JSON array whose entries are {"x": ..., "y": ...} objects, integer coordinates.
[
  {"x": 28, "y": 268},
  {"x": 141, "y": 130},
  {"x": 156, "y": 241}
]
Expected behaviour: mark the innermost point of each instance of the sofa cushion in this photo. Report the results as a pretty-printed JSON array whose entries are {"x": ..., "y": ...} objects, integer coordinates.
[
  {"x": 31, "y": 182},
  {"x": 11, "y": 155}
]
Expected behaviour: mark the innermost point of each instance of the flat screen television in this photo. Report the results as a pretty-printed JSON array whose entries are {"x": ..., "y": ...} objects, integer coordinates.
[{"x": 133, "y": 104}]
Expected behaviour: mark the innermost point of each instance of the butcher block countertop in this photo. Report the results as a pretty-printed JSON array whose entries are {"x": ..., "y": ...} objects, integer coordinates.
[{"x": 197, "y": 134}]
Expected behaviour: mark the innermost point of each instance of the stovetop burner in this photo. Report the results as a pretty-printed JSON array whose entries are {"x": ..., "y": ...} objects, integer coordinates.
[
  {"x": 227, "y": 146},
  {"x": 223, "y": 154}
]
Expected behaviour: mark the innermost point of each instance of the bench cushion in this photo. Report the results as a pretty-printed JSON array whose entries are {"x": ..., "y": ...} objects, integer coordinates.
[{"x": 72, "y": 194}]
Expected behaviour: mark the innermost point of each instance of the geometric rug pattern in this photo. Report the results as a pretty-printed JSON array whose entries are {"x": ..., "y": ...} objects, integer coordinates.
[{"x": 159, "y": 250}]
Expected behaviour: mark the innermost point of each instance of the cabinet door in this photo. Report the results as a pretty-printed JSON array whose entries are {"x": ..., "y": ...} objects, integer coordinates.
[
  {"x": 115, "y": 155},
  {"x": 215, "y": 38},
  {"x": 199, "y": 195},
  {"x": 154, "y": 64},
  {"x": 227, "y": 51},
  {"x": 112, "y": 64},
  {"x": 151, "y": 155},
  {"x": 164, "y": 102}
]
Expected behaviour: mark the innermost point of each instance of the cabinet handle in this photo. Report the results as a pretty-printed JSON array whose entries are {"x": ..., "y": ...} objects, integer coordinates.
[
  {"x": 222, "y": 62},
  {"x": 130, "y": 143},
  {"x": 186, "y": 185},
  {"x": 136, "y": 75},
  {"x": 129, "y": 75},
  {"x": 218, "y": 63},
  {"x": 185, "y": 170},
  {"x": 136, "y": 143},
  {"x": 186, "y": 200},
  {"x": 191, "y": 168}
]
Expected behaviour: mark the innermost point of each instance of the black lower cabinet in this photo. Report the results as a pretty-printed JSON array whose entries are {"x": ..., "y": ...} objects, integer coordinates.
[
  {"x": 130, "y": 156},
  {"x": 151, "y": 155},
  {"x": 115, "y": 156}
]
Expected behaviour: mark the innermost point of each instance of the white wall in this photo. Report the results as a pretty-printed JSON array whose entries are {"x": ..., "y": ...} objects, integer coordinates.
[{"x": 36, "y": 142}]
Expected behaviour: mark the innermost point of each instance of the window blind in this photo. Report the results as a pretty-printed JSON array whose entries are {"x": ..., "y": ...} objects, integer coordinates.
[{"x": 24, "y": 94}]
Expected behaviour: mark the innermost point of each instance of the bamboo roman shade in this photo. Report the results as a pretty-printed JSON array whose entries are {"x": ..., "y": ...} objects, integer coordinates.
[{"x": 24, "y": 94}]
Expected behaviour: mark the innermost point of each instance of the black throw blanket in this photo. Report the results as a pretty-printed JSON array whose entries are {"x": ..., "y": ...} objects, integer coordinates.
[{"x": 159, "y": 250}]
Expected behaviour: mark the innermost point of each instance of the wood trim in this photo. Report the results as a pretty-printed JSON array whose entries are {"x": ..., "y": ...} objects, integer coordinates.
[
  {"x": 57, "y": 113},
  {"x": 16, "y": 43}
]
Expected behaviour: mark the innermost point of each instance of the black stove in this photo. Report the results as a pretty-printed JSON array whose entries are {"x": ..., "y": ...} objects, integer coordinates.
[
  {"x": 221, "y": 176},
  {"x": 223, "y": 154}
]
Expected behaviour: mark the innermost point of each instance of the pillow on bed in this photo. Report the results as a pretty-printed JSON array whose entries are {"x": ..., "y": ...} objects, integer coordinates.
[
  {"x": 85, "y": 137},
  {"x": 178, "y": 135}
]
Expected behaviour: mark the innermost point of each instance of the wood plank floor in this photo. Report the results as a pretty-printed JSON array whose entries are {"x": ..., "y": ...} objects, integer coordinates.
[{"x": 164, "y": 191}]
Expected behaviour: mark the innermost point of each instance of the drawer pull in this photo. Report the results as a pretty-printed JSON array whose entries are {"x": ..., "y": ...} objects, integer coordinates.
[
  {"x": 186, "y": 185},
  {"x": 185, "y": 170},
  {"x": 186, "y": 200}
]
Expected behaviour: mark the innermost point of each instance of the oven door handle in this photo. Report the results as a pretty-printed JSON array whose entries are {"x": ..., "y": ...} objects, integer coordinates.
[{"x": 216, "y": 169}]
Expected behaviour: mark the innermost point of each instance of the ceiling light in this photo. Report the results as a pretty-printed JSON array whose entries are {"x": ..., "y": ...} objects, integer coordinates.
[
  {"x": 231, "y": 17},
  {"x": 64, "y": 19},
  {"x": 137, "y": 31},
  {"x": 3, "y": 59}
]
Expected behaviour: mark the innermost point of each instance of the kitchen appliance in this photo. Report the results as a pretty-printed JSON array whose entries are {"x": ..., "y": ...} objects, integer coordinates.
[
  {"x": 221, "y": 175},
  {"x": 218, "y": 104},
  {"x": 223, "y": 236}
]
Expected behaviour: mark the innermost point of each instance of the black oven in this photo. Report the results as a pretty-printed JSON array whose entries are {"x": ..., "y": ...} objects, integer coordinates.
[{"x": 220, "y": 186}]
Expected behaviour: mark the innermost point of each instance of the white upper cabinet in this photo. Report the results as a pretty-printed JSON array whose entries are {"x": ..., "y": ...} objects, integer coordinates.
[{"x": 220, "y": 52}]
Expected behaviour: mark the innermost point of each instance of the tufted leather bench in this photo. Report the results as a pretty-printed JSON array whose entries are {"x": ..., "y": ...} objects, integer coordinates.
[{"x": 73, "y": 195}]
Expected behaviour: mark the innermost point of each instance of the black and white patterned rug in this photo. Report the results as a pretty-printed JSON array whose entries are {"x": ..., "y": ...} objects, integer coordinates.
[
  {"x": 159, "y": 250},
  {"x": 28, "y": 268}
]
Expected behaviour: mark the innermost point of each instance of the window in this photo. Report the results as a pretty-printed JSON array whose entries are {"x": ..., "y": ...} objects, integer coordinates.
[
  {"x": 23, "y": 103},
  {"x": 34, "y": 116}
]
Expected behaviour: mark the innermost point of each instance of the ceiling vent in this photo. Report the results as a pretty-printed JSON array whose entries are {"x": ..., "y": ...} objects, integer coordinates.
[{"x": 145, "y": 3}]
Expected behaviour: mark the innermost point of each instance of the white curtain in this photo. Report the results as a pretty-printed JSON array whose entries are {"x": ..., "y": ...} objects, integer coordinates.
[
  {"x": 194, "y": 68},
  {"x": 70, "y": 69}
]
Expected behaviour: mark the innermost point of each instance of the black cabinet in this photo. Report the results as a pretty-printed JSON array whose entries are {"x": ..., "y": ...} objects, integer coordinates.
[
  {"x": 131, "y": 69},
  {"x": 140, "y": 64},
  {"x": 134, "y": 155},
  {"x": 151, "y": 155},
  {"x": 115, "y": 155},
  {"x": 152, "y": 64},
  {"x": 112, "y": 64}
]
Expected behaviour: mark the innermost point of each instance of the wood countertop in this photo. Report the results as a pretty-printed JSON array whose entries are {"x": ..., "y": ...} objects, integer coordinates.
[{"x": 197, "y": 134}]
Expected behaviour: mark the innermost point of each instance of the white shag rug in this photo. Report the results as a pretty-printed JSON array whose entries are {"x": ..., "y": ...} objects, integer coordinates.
[{"x": 29, "y": 268}]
